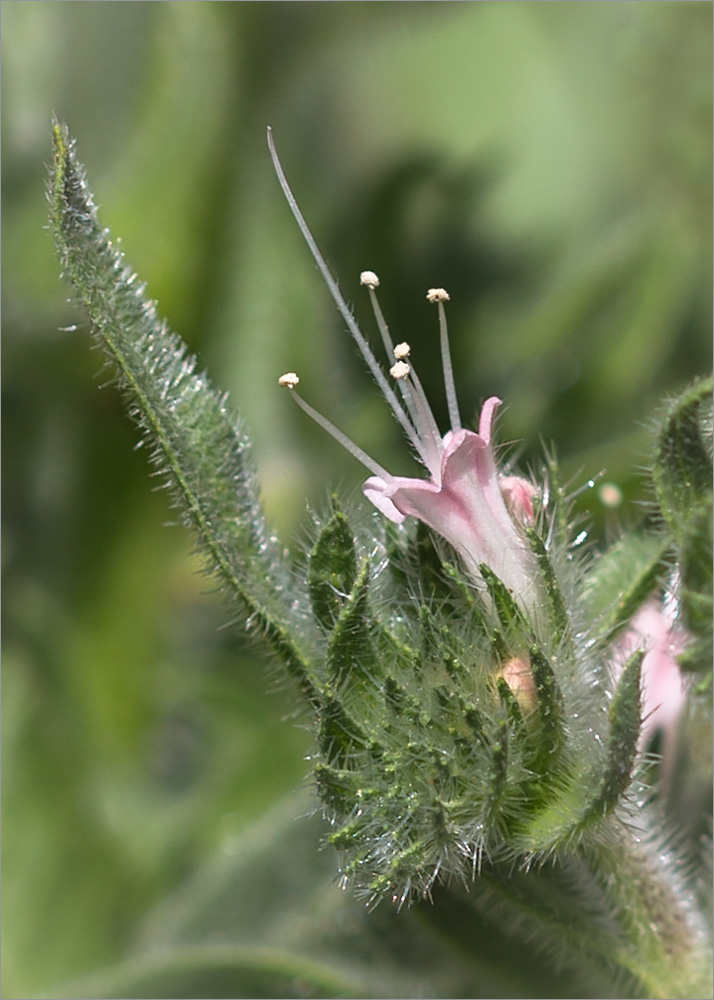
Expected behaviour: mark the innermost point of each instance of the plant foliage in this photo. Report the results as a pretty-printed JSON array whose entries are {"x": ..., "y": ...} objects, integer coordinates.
[{"x": 461, "y": 742}]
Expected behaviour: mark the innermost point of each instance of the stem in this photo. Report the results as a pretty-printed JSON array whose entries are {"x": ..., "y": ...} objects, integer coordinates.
[{"x": 664, "y": 942}]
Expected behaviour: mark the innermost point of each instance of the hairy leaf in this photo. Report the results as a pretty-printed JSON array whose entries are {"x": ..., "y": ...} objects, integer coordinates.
[
  {"x": 332, "y": 568},
  {"x": 622, "y": 579},
  {"x": 682, "y": 468},
  {"x": 198, "y": 446}
]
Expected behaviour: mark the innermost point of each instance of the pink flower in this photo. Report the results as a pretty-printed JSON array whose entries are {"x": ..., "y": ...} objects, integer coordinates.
[
  {"x": 468, "y": 504},
  {"x": 464, "y": 500},
  {"x": 664, "y": 696}
]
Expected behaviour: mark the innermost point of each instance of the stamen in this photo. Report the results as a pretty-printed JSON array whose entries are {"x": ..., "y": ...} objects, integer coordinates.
[
  {"x": 288, "y": 381},
  {"x": 419, "y": 409},
  {"x": 400, "y": 370},
  {"x": 430, "y": 456},
  {"x": 362, "y": 344},
  {"x": 418, "y": 406},
  {"x": 416, "y": 402},
  {"x": 439, "y": 295}
]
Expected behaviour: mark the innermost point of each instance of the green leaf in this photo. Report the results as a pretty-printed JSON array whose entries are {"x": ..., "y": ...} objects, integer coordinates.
[
  {"x": 697, "y": 607},
  {"x": 625, "y": 722},
  {"x": 622, "y": 579},
  {"x": 582, "y": 801},
  {"x": 351, "y": 652},
  {"x": 332, "y": 568},
  {"x": 682, "y": 467},
  {"x": 198, "y": 447}
]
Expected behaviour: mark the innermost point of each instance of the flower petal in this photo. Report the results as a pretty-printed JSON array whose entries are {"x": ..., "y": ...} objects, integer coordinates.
[
  {"x": 376, "y": 491},
  {"x": 519, "y": 495},
  {"x": 468, "y": 508}
]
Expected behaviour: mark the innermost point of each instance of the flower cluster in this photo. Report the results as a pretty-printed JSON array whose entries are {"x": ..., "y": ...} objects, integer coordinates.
[{"x": 486, "y": 715}]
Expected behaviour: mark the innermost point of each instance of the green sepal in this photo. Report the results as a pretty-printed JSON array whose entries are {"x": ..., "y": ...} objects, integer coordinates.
[
  {"x": 349, "y": 837},
  {"x": 399, "y": 702},
  {"x": 559, "y": 614},
  {"x": 625, "y": 724},
  {"x": 510, "y": 704},
  {"x": 470, "y": 608},
  {"x": 496, "y": 776},
  {"x": 396, "y": 547},
  {"x": 682, "y": 464},
  {"x": 581, "y": 800},
  {"x": 474, "y": 720},
  {"x": 332, "y": 568},
  {"x": 336, "y": 787},
  {"x": 549, "y": 707},
  {"x": 431, "y": 574},
  {"x": 400, "y": 869},
  {"x": 558, "y": 505},
  {"x": 506, "y": 608},
  {"x": 340, "y": 736},
  {"x": 351, "y": 653}
]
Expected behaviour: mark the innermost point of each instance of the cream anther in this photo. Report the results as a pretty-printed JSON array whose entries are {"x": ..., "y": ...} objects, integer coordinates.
[
  {"x": 369, "y": 278},
  {"x": 400, "y": 370},
  {"x": 289, "y": 380},
  {"x": 437, "y": 295},
  {"x": 402, "y": 351}
]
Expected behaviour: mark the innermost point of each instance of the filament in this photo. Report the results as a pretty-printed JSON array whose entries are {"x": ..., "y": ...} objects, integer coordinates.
[
  {"x": 451, "y": 401},
  {"x": 362, "y": 344},
  {"x": 337, "y": 434}
]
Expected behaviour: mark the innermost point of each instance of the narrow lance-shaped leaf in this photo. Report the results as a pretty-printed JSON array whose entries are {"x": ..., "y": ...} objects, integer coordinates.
[
  {"x": 198, "y": 446},
  {"x": 581, "y": 804},
  {"x": 332, "y": 568},
  {"x": 623, "y": 578},
  {"x": 682, "y": 467},
  {"x": 697, "y": 606},
  {"x": 625, "y": 723}
]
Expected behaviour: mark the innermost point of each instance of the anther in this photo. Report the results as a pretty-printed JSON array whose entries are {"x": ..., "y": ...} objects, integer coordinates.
[
  {"x": 369, "y": 278},
  {"x": 437, "y": 295},
  {"x": 400, "y": 370},
  {"x": 402, "y": 351},
  {"x": 289, "y": 380}
]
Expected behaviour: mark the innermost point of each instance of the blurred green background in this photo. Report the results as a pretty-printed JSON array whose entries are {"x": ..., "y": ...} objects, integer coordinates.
[{"x": 548, "y": 163}]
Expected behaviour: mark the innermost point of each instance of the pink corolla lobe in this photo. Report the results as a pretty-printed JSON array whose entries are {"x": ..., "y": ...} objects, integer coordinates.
[{"x": 469, "y": 504}]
